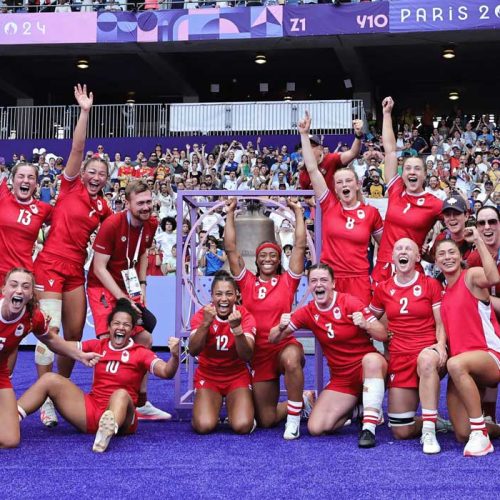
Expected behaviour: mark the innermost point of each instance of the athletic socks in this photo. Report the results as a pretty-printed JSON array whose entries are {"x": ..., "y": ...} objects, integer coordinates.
[
  {"x": 21, "y": 413},
  {"x": 373, "y": 395},
  {"x": 294, "y": 409},
  {"x": 477, "y": 424},
  {"x": 429, "y": 418}
]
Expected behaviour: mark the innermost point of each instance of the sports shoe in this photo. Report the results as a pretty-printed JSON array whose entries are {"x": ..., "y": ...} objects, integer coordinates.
[
  {"x": 366, "y": 439},
  {"x": 308, "y": 398},
  {"x": 292, "y": 431},
  {"x": 430, "y": 443},
  {"x": 443, "y": 425},
  {"x": 479, "y": 444},
  {"x": 107, "y": 429},
  {"x": 48, "y": 414},
  {"x": 150, "y": 412}
]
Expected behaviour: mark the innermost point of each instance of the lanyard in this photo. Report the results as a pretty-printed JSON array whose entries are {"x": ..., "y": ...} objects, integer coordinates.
[{"x": 136, "y": 253}]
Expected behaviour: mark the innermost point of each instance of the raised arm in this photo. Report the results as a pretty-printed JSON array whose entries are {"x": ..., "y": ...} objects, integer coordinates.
[
  {"x": 389, "y": 141},
  {"x": 80, "y": 133},
  {"x": 168, "y": 369},
  {"x": 317, "y": 180},
  {"x": 236, "y": 263},
  {"x": 347, "y": 156},
  {"x": 281, "y": 331},
  {"x": 374, "y": 328},
  {"x": 243, "y": 341},
  {"x": 198, "y": 337},
  {"x": 481, "y": 277},
  {"x": 299, "y": 247}
]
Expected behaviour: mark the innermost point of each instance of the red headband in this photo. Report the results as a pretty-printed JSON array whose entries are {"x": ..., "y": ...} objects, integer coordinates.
[{"x": 268, "y": 244}]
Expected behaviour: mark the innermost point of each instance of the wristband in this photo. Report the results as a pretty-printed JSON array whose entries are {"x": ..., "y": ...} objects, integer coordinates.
[
  {"x": 142, "y": 282},
  {"x": 359, "y": 136},
  {"x": 236, "y": 334}
]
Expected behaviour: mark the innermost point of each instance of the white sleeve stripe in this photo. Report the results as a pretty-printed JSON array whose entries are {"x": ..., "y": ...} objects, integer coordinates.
[
  {"x": 241, "y": 275},
  {"x": 292, "y": 326},
  {"x": 71, "y": 178},
  {"x": 323, "y": 195},
  {"x": 293, "y": 275},
  {"x": 437, "y": 304},
  {"x": 371, "y": 319},
  {"x": 376, "y": 309},
  {"x": 249, "y": 336},
  {"x": 152, "y": 366},
  {"x": 378, "y": 231},
  {"x": 392, "y": 181}
]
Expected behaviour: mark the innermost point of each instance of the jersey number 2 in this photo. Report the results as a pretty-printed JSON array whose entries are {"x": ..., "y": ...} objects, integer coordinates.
[{"x": 404, "y": 306}]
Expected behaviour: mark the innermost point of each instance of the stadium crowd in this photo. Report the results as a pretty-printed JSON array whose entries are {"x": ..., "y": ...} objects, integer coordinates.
[{"x": 114, "y": 215}]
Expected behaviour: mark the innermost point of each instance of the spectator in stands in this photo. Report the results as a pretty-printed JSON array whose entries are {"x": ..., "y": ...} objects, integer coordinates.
[
  {"x": 213, "y": 257},
  {"x": 418, "y": 143},
  {"x": 375, "y": 188}
]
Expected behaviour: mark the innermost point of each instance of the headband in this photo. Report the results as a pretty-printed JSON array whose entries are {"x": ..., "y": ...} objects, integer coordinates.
[{"x": 268, "y": 244}]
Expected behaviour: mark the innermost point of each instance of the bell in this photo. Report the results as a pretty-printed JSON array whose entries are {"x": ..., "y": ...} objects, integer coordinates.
[{"x": 252, "y": 228}]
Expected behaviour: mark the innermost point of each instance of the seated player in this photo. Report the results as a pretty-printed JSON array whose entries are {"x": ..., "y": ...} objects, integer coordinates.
[
  {"x": 417, "y": 347},
  {"x": 474, "y": 341},
  {"x": 109, "y": 408},
  {"x": 223, "y": 337},
  {"x": 19, "y": 316},
  {"x": 344, "y": 327}
]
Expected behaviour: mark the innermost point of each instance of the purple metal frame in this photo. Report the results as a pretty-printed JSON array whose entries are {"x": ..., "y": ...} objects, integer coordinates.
[{"x": 184, "y": 401}]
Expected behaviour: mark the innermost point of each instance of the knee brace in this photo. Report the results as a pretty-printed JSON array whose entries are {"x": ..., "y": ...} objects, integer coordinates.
[
  {"x": 401, "y": 419},
  {"x": 43, "y": 355},
  {"x": 52, "y": 308}
]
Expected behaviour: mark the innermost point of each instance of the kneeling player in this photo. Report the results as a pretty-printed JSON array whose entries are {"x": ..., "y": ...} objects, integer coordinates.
[
  {"x": 417, "y": 348},
  {"x": 223, "y": 336},
  {"x": 343, "y": 327},
  {"x": 109, "y": 408}
]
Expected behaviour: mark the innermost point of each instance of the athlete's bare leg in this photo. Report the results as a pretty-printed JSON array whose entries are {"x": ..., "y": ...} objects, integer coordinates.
[
  {"x": 240, "y": 410},
  {"x": 10, "y": 435},
  {"x": 206, "y": 410}
]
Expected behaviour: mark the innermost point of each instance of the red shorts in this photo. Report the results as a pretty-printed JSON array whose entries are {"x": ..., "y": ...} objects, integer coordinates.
[
  {"x": 54, "y": 274},
  {"x": 359, "y": 286},
  {"x": 402, "y": 371},
  {"x": 101, "y": 303},
  {"x": 5, "y": 382},
  {"x": 94, "y": 411},
  {"x": 265, "y": 362},
  {"x": 222, "y": 385},
  {"x": 348, "y": 380}
]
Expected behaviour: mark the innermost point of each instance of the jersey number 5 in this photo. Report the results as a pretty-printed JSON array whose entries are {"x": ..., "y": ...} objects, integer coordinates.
[
  {"x": 24, "y": 217},
  {"x": 221, "y": 342}
]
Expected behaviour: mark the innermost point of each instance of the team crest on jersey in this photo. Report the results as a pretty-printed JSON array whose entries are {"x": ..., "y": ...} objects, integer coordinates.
[
  {"x": 316, "y": 317},
  {"x": 392, "y": 292},
  {"x": 19, "y": 330},
  {"x": 336, "y": 313},
  {"x": 361, "y": 214},
  {"x": 274, "y": 281},
  {"x": 124, "y": 239},
  {"x": 99, "y": 205},
  {"x": 417, "y": 290},
  {"x": 420, "y": 201},
  {"x": 125, "y": 356},
  {"x": 34, "y": 209}
]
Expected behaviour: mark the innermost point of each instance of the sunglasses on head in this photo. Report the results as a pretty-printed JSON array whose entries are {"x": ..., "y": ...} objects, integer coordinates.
[{"x": 491, "y": 222}]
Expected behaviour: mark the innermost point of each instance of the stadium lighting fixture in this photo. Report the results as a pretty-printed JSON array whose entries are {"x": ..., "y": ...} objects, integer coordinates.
[
  {"x": 453, "y": 96},
  {"x": 449, "y": 53},
  {"x": 82, "y": 63},
  {"x": 260, "y": 59}
]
